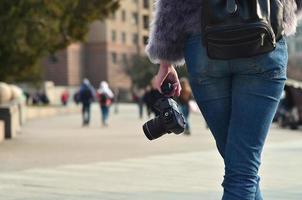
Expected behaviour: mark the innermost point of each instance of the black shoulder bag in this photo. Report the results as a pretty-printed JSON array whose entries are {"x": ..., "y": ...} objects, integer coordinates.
[{"x": 241, "y": 28}]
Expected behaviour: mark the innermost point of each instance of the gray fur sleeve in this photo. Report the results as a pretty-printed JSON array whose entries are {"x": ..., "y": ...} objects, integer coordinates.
[
  {"x": 290, "y": 17},
  {"x": 167, "y": 32}
]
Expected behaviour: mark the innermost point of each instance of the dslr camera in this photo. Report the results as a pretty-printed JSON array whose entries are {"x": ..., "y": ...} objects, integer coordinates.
[{"x": 170, "y": 119}]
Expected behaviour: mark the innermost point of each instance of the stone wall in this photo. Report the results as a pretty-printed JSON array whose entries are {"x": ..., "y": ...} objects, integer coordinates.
[
  {"x": 54, "y": 92},
  {"x": 14, "y": 112},
  {"x": 2, "y": 134},
  {"x": 34, "y": 112}
]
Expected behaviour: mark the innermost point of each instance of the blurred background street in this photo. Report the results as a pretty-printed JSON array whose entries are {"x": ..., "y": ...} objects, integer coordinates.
[
  {"x": 56, "y": 158},
  {"x": 65, "y": 63}
]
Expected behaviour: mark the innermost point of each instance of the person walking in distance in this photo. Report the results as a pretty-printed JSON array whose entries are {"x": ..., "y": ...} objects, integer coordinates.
[
  {"x": 236, "y": 56},
  {"x": 151, "y": 97},
  {"x": 65, "y": 97},
  {"x": 105, "y": 96},
  {"x": 183, "y": 100},
  {"x": 138, "y": 98},
  {"x": 86, "y": 97}
]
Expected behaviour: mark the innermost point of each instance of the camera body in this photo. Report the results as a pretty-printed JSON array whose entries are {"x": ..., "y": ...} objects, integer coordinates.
[{"x": 169, "y": 120}]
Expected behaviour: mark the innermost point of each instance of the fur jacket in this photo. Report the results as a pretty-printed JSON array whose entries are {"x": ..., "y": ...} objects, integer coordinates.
[{"x": 174, "y": 20}]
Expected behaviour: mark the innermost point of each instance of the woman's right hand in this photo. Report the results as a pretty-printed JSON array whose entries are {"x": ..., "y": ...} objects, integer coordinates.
[{"x": 167, "y": 73}]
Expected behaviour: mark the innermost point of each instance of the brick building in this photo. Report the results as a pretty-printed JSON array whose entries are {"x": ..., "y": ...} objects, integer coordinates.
[{"x": 109, "y": 45}]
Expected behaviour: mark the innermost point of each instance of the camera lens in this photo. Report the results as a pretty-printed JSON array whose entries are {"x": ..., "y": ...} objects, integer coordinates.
[{"x": 154, "y": 129}]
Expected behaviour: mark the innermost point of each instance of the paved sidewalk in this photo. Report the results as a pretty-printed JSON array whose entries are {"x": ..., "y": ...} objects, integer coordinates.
[{"x": 173, "y": 168}]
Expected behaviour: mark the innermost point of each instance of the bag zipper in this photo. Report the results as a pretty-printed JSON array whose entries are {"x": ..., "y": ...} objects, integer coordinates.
[{"x": 262, "y": 39}]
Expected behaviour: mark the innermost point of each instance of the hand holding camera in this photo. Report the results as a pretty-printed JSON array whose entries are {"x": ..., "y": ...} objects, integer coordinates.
[
  {"x": 167, "y": 73},
  {"x": 170, "y": 118}
]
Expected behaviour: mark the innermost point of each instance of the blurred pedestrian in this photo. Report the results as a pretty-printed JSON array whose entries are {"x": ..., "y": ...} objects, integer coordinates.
[
  {"x": 44, "y": 98},
  {"x": 86, "y": 97},
  {"x": 40, "y": 98},
  {"x": 145, "y": 99},
  {"x": 65, "y": 97},
  {"x": 116, "y": 100},
  {"x": 36, "y": 98},
  {"x": 183, "y": 100},
  {"x": 105, "y": 96},
  {"x": 76, "y": 97},
  {"x": 151, "y": 97},
  {"x": 138, "y": 98},
  {"x": 27, "y": 97}
]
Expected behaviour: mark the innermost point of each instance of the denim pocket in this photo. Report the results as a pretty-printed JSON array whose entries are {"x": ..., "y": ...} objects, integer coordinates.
[{"x": 273, "y": 65}]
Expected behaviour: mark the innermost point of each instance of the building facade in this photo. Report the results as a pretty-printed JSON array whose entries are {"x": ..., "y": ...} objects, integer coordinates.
[
  {"x": 110, "y": 44},
  {"x": 66, "y": 67}
]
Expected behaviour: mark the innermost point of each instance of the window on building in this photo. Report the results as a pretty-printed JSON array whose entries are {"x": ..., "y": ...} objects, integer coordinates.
[
  {"x": 146, "y": 4},
  {"x": 146, "y": 22},
  {"x": 124, "y": 58},
  {"x": 113, "y": 57},
  {"x": 134, "y": 19},
  {"x": 113, "y": 35},
  {"x": 113, "y": 17},
  {"x": 124, "y": 18},
  {"x": 299, "y": 46},
  {"x": 145, "y": 40},
  {"x": 124, "y": 39},
  {"x": 135, "y": 38},
  {"x": 53, "y": 59}
]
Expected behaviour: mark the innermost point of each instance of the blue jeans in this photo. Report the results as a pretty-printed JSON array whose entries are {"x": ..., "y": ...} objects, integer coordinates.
[
  {"x": 86, "y": 113},
  {"x": 105, "y": 114},
  {"x": 238, "y": 99}
]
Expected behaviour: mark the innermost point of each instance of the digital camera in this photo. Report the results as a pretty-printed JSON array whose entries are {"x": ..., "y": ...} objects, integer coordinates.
[{"x": 170, "y": 120}]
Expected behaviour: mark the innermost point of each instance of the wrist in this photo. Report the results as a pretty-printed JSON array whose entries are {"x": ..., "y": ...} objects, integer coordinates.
[{"x": 165, "y": 64}]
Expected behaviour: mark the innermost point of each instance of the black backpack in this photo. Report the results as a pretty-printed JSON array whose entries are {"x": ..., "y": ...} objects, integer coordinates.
[
  {"x": 86, "y": 95},
  {"x": 103, "y": 99},
  {"x": 241, "y": 28}
]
